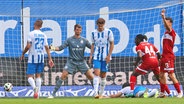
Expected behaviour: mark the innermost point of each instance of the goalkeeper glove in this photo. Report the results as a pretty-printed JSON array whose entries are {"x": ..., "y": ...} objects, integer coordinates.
[{"x": 52, "y": 48}]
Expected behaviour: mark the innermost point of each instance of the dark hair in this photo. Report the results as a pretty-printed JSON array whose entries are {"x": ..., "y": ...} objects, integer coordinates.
[
  {"x": 77, "y": 25},
  {"x": 170, "y": 19},
  {"x": 145, "y": 37},
  {"x": 141, "y": 37},
  {"x": 125, "y": 85},
  {"x": 38, "y": 23},
  {"x": 100, "y": 21}
]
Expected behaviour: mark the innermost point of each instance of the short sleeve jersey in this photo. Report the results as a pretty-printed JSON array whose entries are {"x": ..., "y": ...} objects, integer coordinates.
[
  {"x": 101, "y": 41},
  {"x": 76, "y": 47},
  {"x": 168, "y": 44},
  {"x": 38, "y": 41},
  {"x": 148, "y": 51}
]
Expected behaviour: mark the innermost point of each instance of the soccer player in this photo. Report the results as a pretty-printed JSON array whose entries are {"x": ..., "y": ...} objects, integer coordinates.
[
  {"x": 36, "y": 42},
  {"x": 138, "y": 92},
  {"x": 101, "y": 51},
  {"x": 75, "y": 61},
  {"x": 149, "y": 55},
  {"x": 168, "y": 57}
]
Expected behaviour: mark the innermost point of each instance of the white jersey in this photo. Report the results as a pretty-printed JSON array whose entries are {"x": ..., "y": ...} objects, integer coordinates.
[
  {"x": 126, "y": 91},
  {"x": 101, "y": 41},
  {"x": 38, "y": 42}
]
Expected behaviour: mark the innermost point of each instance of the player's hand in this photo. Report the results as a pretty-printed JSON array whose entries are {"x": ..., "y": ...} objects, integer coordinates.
[
  {"x": 51, "y": 63},
  {"x": 52, "y": 48},
  {"x": 22, "y": 57},
  {"x": 163, "y": 13},
  {"x": 107, "y": 59}
]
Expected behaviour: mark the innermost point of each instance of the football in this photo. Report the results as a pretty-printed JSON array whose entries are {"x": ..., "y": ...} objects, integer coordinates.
[{"x": 8, "y": 87}]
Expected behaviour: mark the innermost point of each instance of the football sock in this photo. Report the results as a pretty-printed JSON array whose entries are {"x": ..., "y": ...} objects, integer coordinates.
[
  {"x": 96, "y": 84},
  {"x": 91, "y": 81},
  {"x": 102, "y": 86},
  {"x": 132, "y": 82},
  {"x": 31, "y": 82},
  {"x": 162, "y": 87},
  {"x": 177, "y": 87},
  {"x": 58, "y": 85},
  {"x": 38, "y": 83},
  {"x": 167, "y": 89}
]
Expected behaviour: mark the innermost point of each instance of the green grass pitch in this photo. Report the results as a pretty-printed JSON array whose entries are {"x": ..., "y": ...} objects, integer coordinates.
[{"x": 90, "y": 100}]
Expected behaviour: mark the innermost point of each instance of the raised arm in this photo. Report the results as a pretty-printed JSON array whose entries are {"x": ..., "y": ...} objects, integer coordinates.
[{"x": 167, "y": 27}]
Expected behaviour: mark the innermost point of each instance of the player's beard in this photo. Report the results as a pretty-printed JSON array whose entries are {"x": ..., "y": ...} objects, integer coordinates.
[{"x": 77, "y": 34}]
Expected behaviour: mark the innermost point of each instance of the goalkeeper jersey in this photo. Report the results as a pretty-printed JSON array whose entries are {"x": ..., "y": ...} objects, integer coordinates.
[
  {"x": 76, "y": 47},
  {"x": 101, "y": 41},
  {"x": 38, "y": 41}
]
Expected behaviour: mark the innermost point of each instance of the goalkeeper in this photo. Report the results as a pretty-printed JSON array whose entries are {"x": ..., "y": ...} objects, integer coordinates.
[
  {"x": 138, "y": 92},
  {"x": 76, "y": 45}
]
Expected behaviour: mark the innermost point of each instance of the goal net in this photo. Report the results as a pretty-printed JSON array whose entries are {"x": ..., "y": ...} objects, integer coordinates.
[{"x": 126, "y": 19}]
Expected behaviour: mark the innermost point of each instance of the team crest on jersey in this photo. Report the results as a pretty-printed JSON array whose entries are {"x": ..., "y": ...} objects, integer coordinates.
[
  {"x": 81, "y": 41},
  {"x": 66, "y": 67}
]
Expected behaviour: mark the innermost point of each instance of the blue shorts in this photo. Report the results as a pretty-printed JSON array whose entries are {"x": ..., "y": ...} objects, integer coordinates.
[
  {"x": 139, "y": 91},
  {"x": 34, "y": 68},
  {"x": 102, "y": 65}
]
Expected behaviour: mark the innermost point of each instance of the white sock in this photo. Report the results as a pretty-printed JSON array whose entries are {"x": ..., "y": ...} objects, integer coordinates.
[
  {"x": 102, "y": 86},
  {"x": 31, "y": 82},
  {"x": 96, "y": 84},
  {"x": 38, "y": 83}
]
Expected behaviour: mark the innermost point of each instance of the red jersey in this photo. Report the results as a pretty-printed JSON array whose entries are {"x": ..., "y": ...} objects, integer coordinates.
[
  {"x": 168, "y": 44},
  {"x": 148, "y": 51}
]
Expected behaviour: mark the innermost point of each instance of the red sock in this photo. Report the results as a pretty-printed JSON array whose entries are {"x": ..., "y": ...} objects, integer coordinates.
[
  {"x": 132, "y": 82},
  {"x": 177, "y": 87},
  {"x": 162, "y": 87},
  {"x": 167, "y": 89}
]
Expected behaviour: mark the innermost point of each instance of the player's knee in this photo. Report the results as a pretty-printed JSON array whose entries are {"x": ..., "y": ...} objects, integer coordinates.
[
  {"x": 103, "y": 75},
  {"x": 89, "y": 76},
  {"x": 64, "y": 75},
  {"x": 97, "y": 72}
]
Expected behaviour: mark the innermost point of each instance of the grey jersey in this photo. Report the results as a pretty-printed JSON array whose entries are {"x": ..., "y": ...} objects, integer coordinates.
[{"x": 76, "y": 47}]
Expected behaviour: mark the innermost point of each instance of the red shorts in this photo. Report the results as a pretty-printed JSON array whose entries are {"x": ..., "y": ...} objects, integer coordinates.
[
  {"x": 167, "y": 65},
  {"x": 143, "y": 68}
]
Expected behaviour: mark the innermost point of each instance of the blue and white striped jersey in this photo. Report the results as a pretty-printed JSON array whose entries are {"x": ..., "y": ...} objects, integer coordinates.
[
  {"x": 101, "y": 41},
  {"x": 38, "y": 42}
]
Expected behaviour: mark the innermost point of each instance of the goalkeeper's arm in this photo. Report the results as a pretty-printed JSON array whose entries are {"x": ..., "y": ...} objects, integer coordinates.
[{"x": 53, "y": 48}]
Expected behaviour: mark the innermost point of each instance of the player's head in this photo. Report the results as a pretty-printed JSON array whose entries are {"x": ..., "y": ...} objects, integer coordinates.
[
  {"x": 125, "y": 85},
  {"x": 38, "y": 24},
  {"x": 77, "y": 29},
  {"x": 169, "y": 21},
  {"x": 140, "y": 38},
  {"x": 100, "y": 23}
]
